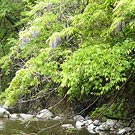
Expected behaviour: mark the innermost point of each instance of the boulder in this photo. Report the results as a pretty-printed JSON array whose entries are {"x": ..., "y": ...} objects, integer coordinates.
[
  {"x": 14, "y": 116},
  {"x": 111, "y": 123},
  {"x": 80, "y": 124},
  {"x": 124, "y": 131},
  {"x": 87, "y": 118},
  {"x": 88, "y": 122},
  {"x": 44, "y": 114},
  {"x": 103, "y": 127},
  {"x": 96, "y": 122},
  {"x": 4, "y": 113},
  {"x": 83, "y": 123},
  {"x": 78, "y": 118},
  {"x": 26, "y": 116},
  {"x": 91, "y": 128}
]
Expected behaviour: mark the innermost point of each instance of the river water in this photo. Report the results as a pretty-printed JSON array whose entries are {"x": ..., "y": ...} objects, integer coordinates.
[{"x": 11, "y": 127}]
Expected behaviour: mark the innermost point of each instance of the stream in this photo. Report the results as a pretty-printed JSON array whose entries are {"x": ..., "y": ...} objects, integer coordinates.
[{"x": 16, "y": 127}]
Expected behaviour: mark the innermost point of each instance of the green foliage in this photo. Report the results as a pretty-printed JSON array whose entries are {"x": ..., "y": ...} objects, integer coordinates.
[
  {"x": 116, "y": 110},
  {"x": 94, "y": 56},
  {"x": 9, "y": 16},
  {"x": 44, "y": 65},
  {"x": 96, "y": 69}
]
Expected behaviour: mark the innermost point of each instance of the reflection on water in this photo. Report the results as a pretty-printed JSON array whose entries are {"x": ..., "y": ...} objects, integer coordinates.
[
  {"x": 2, "y": 124},
  {"x": 10, "y": 127}
]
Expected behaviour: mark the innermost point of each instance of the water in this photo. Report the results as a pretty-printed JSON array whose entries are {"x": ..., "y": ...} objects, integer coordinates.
[{"x": 10, "y": 127}]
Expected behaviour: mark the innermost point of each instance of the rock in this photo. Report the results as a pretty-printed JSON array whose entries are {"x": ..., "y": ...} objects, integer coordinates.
[
  {"x": 124, "y": 131},
  {"x": 88, "y": 122},
  {"x": 112, "y": 129},
  {"x": 80, "y": 124},
  {"x": 68, "y": 126},
  {"x": 22, "y": 117},
  {"x": 87, "y": 118},
  {"x": 83, "y": 123},
  {"x": 120, "y": 125},
  {"x": 103, "y": 127},
  {"x": 46, "y": 111},
  {"x": 78, "y": 118},
  {"x": 4, "y": 113},
  {"x": 96, "y": 122},
  {"x": 27, "y": 116},
  {"x": 111, "y": 123},
  {"x": 57, "y": 118},
  {"x": 91, "y": 128},
  {"x": 14, "y": 116},
  {"x": 44, "y": 114}
]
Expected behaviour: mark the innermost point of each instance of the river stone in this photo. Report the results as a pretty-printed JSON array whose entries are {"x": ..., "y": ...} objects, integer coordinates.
[
  {"x": 80, "y": 124},
  {"x": 111, "y": 123},
  {"x": 96, "y": 122},
  {"x": 103, "y": 127},
  {"x": 120, "y": 125},
  {"x": 124, "y": 131},
  {"x": 44, "y": 114},
  {"x": 14, "y": 116},
  {"x": 68, "y": 126},
  {"x": 57, "y": 118},
  {"x": 27, "y": 116},
  {"x": 4, "y": 113},
  {"x": 87, "y": 118},
  {"x": 88, "y": 122},
  {"x": 91, "y": 128},
  {"x": 78, "y": 118}
]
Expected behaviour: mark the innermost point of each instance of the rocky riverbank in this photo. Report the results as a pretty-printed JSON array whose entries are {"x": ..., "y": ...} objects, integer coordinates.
[{"x": 93, "y": 126}]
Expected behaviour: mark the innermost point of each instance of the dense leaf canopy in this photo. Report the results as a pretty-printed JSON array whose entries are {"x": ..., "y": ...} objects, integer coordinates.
[{"x": 78, "y": 47}]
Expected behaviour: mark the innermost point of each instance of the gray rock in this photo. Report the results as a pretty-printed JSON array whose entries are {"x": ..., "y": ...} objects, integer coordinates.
[
  {"x": 91, "y": 128},
  {"x": 103, "y": 127},
  {"x": 78, "y": 118},
  {"x": 88, "y": 122},
  {"x": 112, "y": 129},
  {"x": 80, "y": 124},
  {"x": 111, "y": 123},
  {"x": 44, "y": 114},
  {"x": 120, "y": 125},
  {"x": 83, "y": 123},
  {"x": 87, "y": 118},
  {"x": 4, "y": 113},
  {"x": 23, "y": 117},
  {"x": 14, "y": 116},
  {"x": 96, "y": 122},
  {"x": 124, "y": 130},
  {"x": 68, "y": 126},
  {"x": 26, "y": 116},
  {"x": 57, "y": 118}
]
